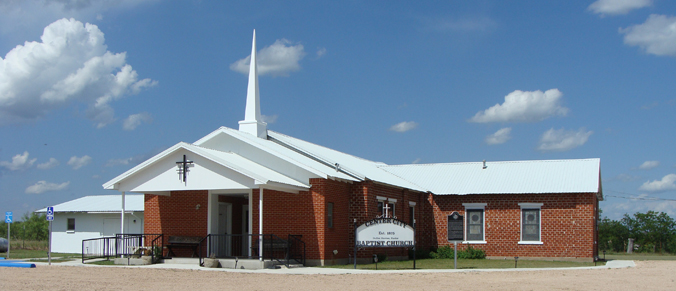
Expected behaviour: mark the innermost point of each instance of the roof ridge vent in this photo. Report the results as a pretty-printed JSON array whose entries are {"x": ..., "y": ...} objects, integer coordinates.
[{"x": 485, "y": 165}]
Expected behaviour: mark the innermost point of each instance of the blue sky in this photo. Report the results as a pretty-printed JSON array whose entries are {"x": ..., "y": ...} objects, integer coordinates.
[{"x": 88, "y": 89}]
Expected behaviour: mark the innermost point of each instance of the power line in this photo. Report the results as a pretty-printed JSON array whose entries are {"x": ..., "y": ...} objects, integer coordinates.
[{"x": 636, "y": 198}]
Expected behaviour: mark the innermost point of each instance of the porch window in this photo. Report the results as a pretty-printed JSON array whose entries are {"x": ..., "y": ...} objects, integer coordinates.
[
  {"x": 475, "y": 222},
  {"x": 386, "y": 207},
  {"x": 71, "y": 225},
  {"x": 531, "y": 225}
]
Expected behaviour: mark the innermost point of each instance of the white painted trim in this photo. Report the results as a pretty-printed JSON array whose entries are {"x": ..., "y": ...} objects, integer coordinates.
[
  {"x": 528, "y": 205},
  {"x": 474, "y": 205},
  {"x": 260, "y": 223},
  {"x": 475, "y": 242},
  {"x": 250, "y": 218},
  {"x": 531, "y": 242},
  {"x": 381, "y": 198},
  {"x": 209, "y": 219},
  {"x": 411, "y": 203},
  {"x": 392, "y": 200}
]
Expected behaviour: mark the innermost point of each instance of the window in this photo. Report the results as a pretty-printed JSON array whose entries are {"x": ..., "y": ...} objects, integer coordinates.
[
  {"x": 386, "y": 207},
  {"x": 71, "y": 224},
  {"x": 329, "y": 215},
  {"x": 531, "y": 225},
  {"x": 411, "y": 213},
  {"x": 475, "y": 223}
]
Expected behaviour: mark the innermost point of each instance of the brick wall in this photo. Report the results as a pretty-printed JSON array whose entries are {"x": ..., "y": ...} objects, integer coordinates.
[
  {"x": 567, "y": 223},
  {"x": 176, "y": 215}
]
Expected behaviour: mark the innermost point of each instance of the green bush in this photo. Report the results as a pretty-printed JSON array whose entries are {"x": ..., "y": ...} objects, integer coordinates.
[
  {"x": 472, "y": 253},
  {"x": 446, "y": 252}
]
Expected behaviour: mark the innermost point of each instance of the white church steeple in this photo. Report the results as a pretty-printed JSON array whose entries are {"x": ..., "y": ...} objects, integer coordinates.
[{"x": 253, "y": 123}]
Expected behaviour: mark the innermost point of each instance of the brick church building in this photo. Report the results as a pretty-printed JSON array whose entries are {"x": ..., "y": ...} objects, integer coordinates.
[{"x": 251, "y": 181}]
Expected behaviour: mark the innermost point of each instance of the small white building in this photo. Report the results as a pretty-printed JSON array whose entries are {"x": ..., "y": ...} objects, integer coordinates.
[{"x": 93, "y": 217}]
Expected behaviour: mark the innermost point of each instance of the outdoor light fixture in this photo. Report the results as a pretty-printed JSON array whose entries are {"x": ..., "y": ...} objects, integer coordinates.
[
  {"x": 515, "y": 260},
  {"x": 335, "y": 252},
  {"x": 197, "y": 207},
  {"x": 375, "y": 259}
]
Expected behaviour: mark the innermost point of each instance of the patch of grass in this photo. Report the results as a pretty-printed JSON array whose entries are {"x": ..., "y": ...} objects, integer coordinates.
[
  {"x": 639, "y": 256},
  {"x": 37, "y": 254},
  {"x": 28, "y": 245},
  {"x": 467, "y": 264}
]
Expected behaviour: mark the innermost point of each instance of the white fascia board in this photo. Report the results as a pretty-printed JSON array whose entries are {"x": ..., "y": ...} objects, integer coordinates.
[
  {"x": 284, "y": 187},
  {"x": 111, "y": 185},
  {"x": 114, "y": 183},
  {"x": 224, "y": 130}
]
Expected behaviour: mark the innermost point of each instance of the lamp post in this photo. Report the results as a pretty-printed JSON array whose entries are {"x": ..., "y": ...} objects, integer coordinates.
[{"x": 516, "y": 259}]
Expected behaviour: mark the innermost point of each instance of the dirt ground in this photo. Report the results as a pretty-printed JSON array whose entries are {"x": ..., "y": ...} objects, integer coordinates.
[{"x": 647, "y": 275}]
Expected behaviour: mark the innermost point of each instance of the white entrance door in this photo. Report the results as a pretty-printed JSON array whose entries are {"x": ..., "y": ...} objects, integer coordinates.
[
  {"x": 245, "y": 229},
  {"x": 224, "y": 227}
]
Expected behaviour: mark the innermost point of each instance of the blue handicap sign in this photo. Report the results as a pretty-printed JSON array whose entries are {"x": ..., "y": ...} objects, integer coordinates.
[
  {"x": 8, "y": 217},
  {"x": 50, "y": 213}
]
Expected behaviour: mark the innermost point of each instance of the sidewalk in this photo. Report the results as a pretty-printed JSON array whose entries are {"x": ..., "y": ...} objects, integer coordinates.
[{"x": 335, "y": 271}]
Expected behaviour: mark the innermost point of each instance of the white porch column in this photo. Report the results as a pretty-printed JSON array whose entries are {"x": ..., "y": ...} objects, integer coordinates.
[
  {"x": 260, "y": 223},
  {"x": 122, "y": 215}
]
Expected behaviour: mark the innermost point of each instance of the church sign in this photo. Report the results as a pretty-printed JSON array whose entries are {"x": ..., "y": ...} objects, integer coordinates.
[
  {"x": 385, "y": 232},
  {"x": 455, "y": 227}
]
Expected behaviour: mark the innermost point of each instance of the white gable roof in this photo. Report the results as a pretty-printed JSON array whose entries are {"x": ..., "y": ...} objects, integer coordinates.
[
  {"x": 100, "y": 203},
  {"x": 509, "y": 177},
  {"x": 158, "y": 173}
]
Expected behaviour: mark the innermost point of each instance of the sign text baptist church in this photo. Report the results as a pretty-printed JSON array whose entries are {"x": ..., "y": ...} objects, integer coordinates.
[{"x": 385, "y": 232}]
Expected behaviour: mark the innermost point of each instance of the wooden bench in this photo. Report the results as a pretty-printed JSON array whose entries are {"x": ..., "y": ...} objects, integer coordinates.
[{"x": 190, "y": 242}]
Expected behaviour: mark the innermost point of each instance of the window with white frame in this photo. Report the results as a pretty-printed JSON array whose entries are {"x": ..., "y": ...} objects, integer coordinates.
[
  {"x": 531, "y": 223},
  {"x": 386, "y": 206},
  {"x": 475, "y": 222},
  {"x": 411, "y": 213}
]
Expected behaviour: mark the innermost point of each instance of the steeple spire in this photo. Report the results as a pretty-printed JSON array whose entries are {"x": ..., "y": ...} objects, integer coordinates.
[{"x": 253, "y": 123}]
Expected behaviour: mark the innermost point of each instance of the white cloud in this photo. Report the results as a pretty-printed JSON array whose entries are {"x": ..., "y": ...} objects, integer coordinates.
[
  {"x": 499, "y": 137},
  {"x": 647, "y": 165},
  {"x": 668, "y": 182},
  {"x": 657, "y": 35},
  {"x": 524, "y": 106},
  {"x": 48, "y": 165},
  {"x": 118, "y": 162},
  {"x": 617, "y": 7},
  {"x": 404, "y": 126},
  {"x": 71, "y": 64},
  {"x": 321, "y": 52},
  {"x": 43, "y": 186},
  {"x": 279, "y": 59},
  {"x": 77, "y": 163},
  {"x": 269, "y": 119},
  {"x": 563, "y": 140},
  {"x": 19, "y": 162},
  {"x": 134, "y": 120}
]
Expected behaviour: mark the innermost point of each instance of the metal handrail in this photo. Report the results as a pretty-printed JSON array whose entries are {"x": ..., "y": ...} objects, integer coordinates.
[
  {"x": 122, "y": 245},
  {"x": 294, "y": 254},
  {"x": 238, "y": 246}
]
